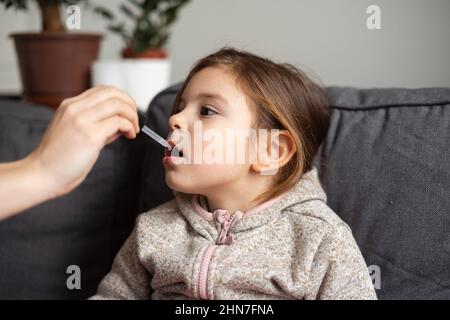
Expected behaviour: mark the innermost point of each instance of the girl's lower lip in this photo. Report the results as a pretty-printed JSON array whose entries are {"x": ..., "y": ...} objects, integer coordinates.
[{"x": 172, "y": 160}]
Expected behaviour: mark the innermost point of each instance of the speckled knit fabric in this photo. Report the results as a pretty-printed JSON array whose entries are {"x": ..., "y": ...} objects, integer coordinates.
[{"x": 295, "y": 248}]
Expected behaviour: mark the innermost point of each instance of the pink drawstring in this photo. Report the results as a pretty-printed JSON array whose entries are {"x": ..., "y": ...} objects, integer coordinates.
[{"x": 226, "y": 222}]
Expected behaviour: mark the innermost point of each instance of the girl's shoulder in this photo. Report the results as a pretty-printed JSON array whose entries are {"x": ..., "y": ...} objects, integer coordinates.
[
  {"x": 165, "y": 214},
  {"x": 315, "y": 215}
]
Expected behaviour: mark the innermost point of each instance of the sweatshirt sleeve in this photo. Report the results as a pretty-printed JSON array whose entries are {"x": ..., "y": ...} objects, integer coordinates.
[
  {"x": 128, "y": 279},
  {"x": 339, "y": 271}
]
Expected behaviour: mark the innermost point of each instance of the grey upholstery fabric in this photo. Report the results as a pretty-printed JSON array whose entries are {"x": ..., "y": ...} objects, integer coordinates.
[{"x": 384, "y": 166}]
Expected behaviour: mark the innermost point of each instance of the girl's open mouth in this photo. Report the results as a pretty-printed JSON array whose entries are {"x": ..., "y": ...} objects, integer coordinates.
[
  {"x": 175, "y": 156},
  {"x": 175, "y": 152}
]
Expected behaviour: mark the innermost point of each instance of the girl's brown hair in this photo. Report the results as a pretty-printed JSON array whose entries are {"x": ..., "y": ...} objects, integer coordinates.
[{"x": 284, "y": 98}]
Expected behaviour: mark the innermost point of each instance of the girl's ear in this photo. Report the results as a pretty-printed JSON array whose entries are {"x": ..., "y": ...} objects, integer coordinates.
[{"x": 276, "y": 152}]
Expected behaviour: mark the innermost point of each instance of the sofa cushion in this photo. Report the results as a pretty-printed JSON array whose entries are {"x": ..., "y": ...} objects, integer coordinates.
[
  {"x": 385, "y": 167},
  {"x": 84, "y": 228}
]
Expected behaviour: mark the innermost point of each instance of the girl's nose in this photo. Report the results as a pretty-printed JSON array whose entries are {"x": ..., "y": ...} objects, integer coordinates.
[{"x": 176, "y": 122}]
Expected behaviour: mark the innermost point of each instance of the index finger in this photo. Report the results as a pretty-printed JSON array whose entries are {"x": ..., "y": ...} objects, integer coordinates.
[{"x": 105, "y": 92}]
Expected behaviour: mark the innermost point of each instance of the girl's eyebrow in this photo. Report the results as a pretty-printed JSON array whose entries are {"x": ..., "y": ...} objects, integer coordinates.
[{"x": 204, "y": 95}]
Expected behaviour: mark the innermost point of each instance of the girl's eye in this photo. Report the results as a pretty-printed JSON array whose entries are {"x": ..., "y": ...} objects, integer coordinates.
[{"x": 205, "y": 111}]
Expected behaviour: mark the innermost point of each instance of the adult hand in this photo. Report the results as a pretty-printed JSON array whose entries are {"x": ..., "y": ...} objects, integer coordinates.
[{"x": 80, "y": 128}]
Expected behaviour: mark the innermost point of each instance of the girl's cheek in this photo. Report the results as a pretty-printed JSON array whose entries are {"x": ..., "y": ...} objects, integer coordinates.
[{"x": 230, "y": 136}]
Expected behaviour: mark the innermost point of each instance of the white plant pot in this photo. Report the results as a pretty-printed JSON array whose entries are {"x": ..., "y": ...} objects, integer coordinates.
[{"x": 142, "y": 79}]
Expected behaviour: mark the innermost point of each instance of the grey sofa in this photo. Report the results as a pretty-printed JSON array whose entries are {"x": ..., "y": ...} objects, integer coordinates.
[{"x": 384, "y": 165}]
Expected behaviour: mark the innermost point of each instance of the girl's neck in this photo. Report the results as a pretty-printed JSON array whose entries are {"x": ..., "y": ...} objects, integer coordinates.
[{"x": 239, "y": 195}]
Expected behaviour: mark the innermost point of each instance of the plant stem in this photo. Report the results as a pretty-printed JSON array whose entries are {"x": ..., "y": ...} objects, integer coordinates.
[{"x": 51, "y": 19}]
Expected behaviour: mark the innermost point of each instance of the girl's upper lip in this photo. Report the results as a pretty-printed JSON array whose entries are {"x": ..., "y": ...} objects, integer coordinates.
[{"x": 173, "y": 144}]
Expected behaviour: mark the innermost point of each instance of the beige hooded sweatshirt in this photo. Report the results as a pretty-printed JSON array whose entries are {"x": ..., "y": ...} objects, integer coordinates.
[{"x": 290, "y": 247}]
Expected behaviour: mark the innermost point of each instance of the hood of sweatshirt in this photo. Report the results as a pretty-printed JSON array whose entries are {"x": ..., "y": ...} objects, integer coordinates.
[{"x": 220, "y": 225}]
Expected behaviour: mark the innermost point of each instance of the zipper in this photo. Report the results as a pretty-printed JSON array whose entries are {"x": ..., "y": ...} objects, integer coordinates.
[{"x": 202, "y": 279}]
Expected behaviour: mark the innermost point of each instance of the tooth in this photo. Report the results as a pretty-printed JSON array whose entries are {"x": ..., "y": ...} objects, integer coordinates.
[{"x": 176, "y": 152}]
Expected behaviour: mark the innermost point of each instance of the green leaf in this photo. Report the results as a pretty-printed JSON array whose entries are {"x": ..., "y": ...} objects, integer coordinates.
[
  {"x": 117, "y": 28},
  {"x": 149, "y": 6},
  {"x": 17, "y": 4},
  {"x": 127, "y": 11},
  {"x": 120, "y": 30},
  {"x": 105, "y": 13}
]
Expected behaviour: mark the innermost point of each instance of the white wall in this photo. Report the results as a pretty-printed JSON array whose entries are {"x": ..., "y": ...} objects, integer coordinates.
[{"x": 326, "y": 37}]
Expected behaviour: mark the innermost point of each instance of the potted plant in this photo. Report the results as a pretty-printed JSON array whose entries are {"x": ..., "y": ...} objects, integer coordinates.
[
  {"x": 54, "y": 64},
  {"x": 145, "y": 67}
]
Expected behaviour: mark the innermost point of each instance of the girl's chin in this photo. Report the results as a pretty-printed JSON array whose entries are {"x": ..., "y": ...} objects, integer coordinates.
[
  {"x": 175, "y": 182},
  {"x": 183, "y": 184}
]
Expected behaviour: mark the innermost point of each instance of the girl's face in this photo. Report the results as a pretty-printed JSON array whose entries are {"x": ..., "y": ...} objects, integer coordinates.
[{"x": 213, "y": 102}]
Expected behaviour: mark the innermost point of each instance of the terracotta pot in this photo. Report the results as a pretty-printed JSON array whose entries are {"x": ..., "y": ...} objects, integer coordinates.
[
  {"x": 55, "y": 65},
  {"x": 150, "y": 53}
]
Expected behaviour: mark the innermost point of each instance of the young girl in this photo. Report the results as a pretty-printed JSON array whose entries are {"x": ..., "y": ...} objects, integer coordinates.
[{"x": 235, "y": 231}]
